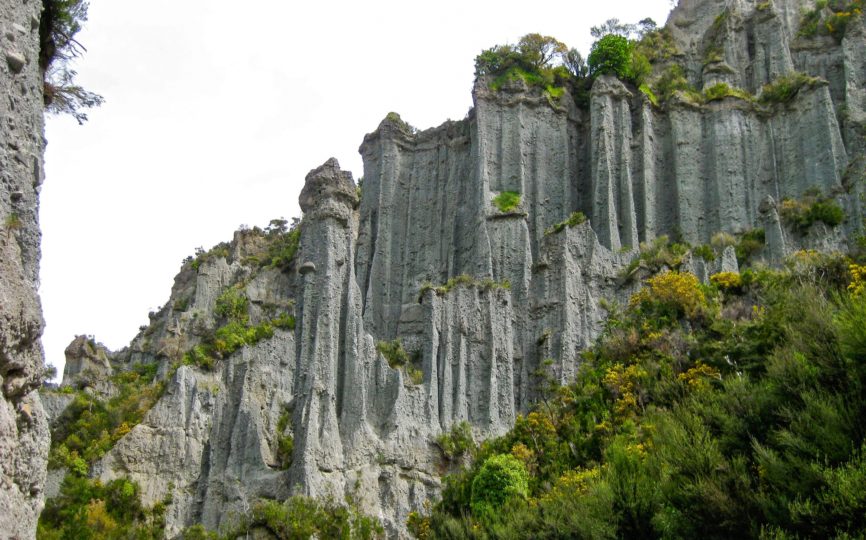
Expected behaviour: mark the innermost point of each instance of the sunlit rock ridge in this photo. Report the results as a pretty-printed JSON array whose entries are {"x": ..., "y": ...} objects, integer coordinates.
[{"x": 374, "y": 264}]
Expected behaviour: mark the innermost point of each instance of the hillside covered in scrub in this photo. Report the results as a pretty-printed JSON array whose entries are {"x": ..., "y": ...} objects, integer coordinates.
[{"x": 622, "y": 298}]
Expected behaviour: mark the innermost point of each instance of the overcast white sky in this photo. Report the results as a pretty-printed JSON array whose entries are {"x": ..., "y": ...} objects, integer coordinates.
[{"x": 216, "y": 110}]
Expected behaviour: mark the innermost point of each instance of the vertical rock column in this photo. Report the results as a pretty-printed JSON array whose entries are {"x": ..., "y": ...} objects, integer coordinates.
[
  {"x": 613, "y": 217},
  {"x": 328, "y": 199},
  {"x": 24, "y": 436}
]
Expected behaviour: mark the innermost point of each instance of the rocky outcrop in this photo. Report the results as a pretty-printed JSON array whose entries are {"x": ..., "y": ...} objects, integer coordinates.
[
  {"x": 490, "y": 302},
  {"x": 24, "y": 436}
]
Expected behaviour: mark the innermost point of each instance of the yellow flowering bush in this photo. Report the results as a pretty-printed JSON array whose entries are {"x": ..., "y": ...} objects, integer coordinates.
[
  {"x": 697, "y": 378},
  {"x": 623, "y": 383},
  {"x": 858, "y": 279},
  {"x": 671, "y": 294},
  {"x": 727, "y": 280}
]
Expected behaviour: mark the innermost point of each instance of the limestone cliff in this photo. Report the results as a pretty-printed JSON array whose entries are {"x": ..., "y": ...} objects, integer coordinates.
[
  {"x": 533, "y": 290},
  {"x": 24, "y": 433}
]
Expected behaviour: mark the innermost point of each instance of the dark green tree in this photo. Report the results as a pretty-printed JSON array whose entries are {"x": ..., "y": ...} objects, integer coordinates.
[
  {"x": 60, "y": 23},
  {"x": 611, "y": 55}
]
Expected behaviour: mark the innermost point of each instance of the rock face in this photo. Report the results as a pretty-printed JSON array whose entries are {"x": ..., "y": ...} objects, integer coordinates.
[
  {"x": 488, "y": 303},
  {"x": 24, "y": 436}
]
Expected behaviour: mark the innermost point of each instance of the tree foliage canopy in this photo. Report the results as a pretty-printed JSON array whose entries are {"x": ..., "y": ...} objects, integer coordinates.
[{"x": 60, "y": 23}]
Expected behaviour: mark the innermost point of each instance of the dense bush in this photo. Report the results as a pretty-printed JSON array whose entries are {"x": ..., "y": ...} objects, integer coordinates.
[
  {"x": 802, "y": 213},
  {"x": 830, "y": 18},
  {"x": 91, "y": 425},
  {"x": 456, "y": 442},
  {"x": 90, "y": 510},
  {"x": 501, "y": 478},
  {"x": 748, "y": 422},
  {"x": 303, "y": 517}
]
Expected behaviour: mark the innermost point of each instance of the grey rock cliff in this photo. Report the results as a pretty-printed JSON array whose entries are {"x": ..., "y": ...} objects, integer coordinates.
[
  {"x": 527, "y": 297},
  {"x": 24, "y": 436}
]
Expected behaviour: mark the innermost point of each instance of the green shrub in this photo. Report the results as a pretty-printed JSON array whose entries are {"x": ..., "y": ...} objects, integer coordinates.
[
  {"x": 721, "y": 91},
  {"x": 705, "y": 252},
  {"x": 485, "y": 284},
  {"x": 457, "y": 442},
  {"x": 283, "y": 247},
  {"x": 745, "y": 422},
  {"x": 507, "y": 201},
  {"x": 90, "y": 425},
  {"x": 285, "y": 447},
  {"x": 232, "y": 305},
  {"x": 394, "y": 353},
  {"x": 284, "y": 321},
  {"x": 749, "y": 243},
  {"x": 646, "y": 90},
  {"x": 90, "y": 510},
  {"x": 501, "y": 479},
  {"x": 830, "y": 18},
  {"x": 575, "y": 219},
  {"x": 12, "y": 223},
  {"x": 786, "y": 87},
  {"x": 811, "y": 208},
  {"x": 656, "y": 255},
  {"x": 303, "y": 517}
]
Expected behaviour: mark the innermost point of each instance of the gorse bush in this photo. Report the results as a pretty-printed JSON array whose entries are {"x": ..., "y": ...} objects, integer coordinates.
[{"x": 671, "y": 295}]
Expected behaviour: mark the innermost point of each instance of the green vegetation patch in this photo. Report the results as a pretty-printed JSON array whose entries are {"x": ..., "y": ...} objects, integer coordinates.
[
  {"x": 507, "y": 201},
  {"x": 802, "y": 213},
  {"x": 656, "y": 255},
  {"x": 90, "y": 510},
  {"x": 786, "y": 88},
  {"x": 91, "y": 425},
  {"x": 749, "y": 243},
  {"x": 398, "y": 358},
  {"x": 457, "y": 442},
  {"x": 298, "y": 517},
  {"x": 501, "y": 479},
  {"x": 464, "y": 280},
  {"x": 236, "y": 331},
  {"x": 830, "y": 18},
  {"x": 721, "y": 91},
  {"x": 575, "y": 219},
  {"x": 723, "y": 411}
]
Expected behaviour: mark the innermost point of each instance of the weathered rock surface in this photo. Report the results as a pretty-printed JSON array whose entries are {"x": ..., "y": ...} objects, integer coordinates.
[
  {"x": 24, "y": 436},
  {"x": 534, "y": 295}
]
